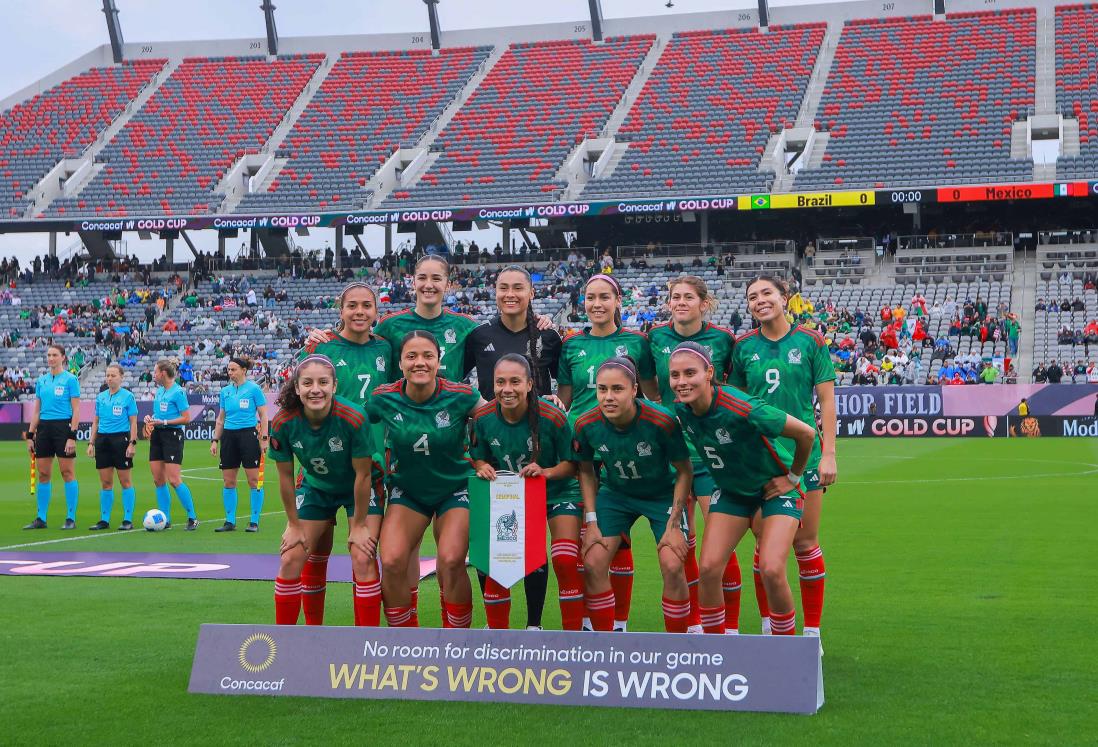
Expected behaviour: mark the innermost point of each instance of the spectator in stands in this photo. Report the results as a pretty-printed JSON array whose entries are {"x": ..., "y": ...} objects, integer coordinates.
[
  {"x": 1078, "y": 305},
  {"x": 989, "y": 374},
  {"x": 1090, "y": 336},
  {"x": 1040, "y": 305},
  {"x": 918, "y": 305},
  {"x": 1055, "y": 373},
  {"x": 1092, "y": 374},
  {"x": 1065, "y": 336}
]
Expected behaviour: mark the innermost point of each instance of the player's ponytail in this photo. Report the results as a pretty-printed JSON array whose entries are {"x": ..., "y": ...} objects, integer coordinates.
[{"x": 533, "y": 402}]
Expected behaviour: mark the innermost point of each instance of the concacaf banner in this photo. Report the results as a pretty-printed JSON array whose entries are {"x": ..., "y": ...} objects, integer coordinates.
[{"x": 507, "y": 526}]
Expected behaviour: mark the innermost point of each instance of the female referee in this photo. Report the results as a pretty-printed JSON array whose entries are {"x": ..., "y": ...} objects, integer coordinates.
[
  {"x": 112, "y": 442},
  {"x": 689, "y": 301},
  {"x": 241, "y": 431},
  {"x": 736, "y": 433},
  {"x": 520, "y": 432},
  {"x": 581, "y": 355},
  {"x": 647, "y": 474},
  {"x": 363, "y": 361},
  {"x": 164, "y": 428},
  {"x": 52, "y": 433},
  {"x": 425, "y": 420},
  {"x": 331, "y": 439},
  {"x": 784, "y": 366}
]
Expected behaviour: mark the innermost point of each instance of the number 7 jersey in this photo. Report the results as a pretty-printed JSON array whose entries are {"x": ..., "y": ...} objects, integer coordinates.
[{"x": 360, "y": 368}]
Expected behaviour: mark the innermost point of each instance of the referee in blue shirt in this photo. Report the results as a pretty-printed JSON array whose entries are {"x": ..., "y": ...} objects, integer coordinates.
[
  {"x": 241, "y": 431},
  {"x": 112, "y": 442},
  {"x": 171, "y": 411},
  {"x": 52, "y": 433}
]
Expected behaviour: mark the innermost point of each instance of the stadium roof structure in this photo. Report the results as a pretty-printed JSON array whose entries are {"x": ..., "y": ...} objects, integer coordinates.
[{"x": 836, "y": 104}]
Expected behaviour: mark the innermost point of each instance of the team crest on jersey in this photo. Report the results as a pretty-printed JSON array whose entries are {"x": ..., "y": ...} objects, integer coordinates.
[
  {"x": 58, "y": 391},
  {"x": 442, "y": 419},
  {"x": 621, "y": 351},
  {"x": 708, "y": 349},
  {"x": 795, "y": 355},
  {"x": 644, "y": 449},
  {"x": 450, "y": 336},
  {"x": 379, "y": 363},
  {"x": 723, "y": 436},
  {"x": 341, "y": 362},
  {"x": 335, "y": 444},
  {"x": 530, "y": 444},
  {"x": 299, "y": 499}
]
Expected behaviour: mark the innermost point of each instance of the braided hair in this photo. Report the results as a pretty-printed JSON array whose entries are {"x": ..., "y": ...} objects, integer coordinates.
[{"x": 533, "y": 404}]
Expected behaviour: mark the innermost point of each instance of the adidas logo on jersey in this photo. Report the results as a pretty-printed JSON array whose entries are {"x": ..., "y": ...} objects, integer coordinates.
[
  {"x": 667, "y": 351},
  {"x": 297, "y": 445},
  {"x": 491, "y": 348},
  {"x": 603, "y": 448},
  {"x": 398, "y": 418},
  {"x": 495, "y": 442},
  {"x": 755, "y": 357},
  {"x": 341, "y": 363},
  {"x": 787, "y": 504},
  {"x": 582, "y": 354}
]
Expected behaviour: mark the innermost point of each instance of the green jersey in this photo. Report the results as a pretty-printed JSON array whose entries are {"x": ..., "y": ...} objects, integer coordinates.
[
  {"x": 425, "y": 441},
  {"x": 449, "y": 328},
  {"x": 663, "y": 339},
  {"x": 325, "y": 453},
  {"x": 509, "y": 446},
  {"x": 581, "y": 355},
  {"x": 360, "y": 367},
  {"x": 736, "y": 439},
  {"x": 637, "y": 459}
]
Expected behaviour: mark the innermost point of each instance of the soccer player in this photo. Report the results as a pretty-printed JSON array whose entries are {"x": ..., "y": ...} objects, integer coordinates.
[
  {"x": 112, "y": 442},
  {"x": 520, "y": 432},
  {"x": 647, "y": 474},
  {"x": 425, "y": 419},
  {"x": 581, "y": 355},
  {"x": 52, "y": 433},
  {"x": 331, "y": 439},
  {"x": 689, "y": 302},
  {"x": 164, "y": 428},
  {"x": 516, "y": 329},
  {"x": 241, "y": 432},
  {"x": 736, "y": 433},
  {"x": 784, "y": 366},
  {"x": 363, "y": 361}
]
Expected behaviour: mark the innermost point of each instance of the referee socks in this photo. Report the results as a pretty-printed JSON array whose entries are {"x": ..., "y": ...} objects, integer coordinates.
[
  {"x": 183, "y": 493},
  {"x": 43, "y": 496},
  {"x": 72, "y": 497},
  {"x": 106, "y": 503},
  {"x": 256, "y": 500},
  {"x": 229, "y": 499},
  {"x": 164, "y": 500},
  {"x": 129, "y": 503}
]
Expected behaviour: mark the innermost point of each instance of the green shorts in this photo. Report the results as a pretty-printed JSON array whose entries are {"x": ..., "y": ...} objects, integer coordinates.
[
  {"x": 618, "y": 512},
  {"x": 703, "y": 481},
  {"x": 314, "y": 504},
  {"x": 565, "y": 509},
  {"x": 791, "y": 504},
  {"x": 429, "y": 508}
]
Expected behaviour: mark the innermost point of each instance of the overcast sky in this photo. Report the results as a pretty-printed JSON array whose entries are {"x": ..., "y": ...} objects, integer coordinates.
[{"x": 43, "y": 35}]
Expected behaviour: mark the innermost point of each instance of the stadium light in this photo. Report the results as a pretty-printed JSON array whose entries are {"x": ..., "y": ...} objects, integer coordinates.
[
  {"x": 596, "y": 19},
  {"x": 268, "y": 9},
  {"x": 114, "y": 29},
  {"x": 432, "y": 18}
]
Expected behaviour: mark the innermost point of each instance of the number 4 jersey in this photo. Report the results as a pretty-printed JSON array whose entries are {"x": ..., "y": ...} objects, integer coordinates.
[{"x": 324, "y": 453}]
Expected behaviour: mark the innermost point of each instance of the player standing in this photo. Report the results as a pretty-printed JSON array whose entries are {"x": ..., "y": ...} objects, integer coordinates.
[
  {"x": 689, "y": 301},
  {"x": 164, "y": 427},
  {"x": 581, "y": 355},
  {"x": 52, "y": 433},
  {"x": 425, "y": 420},
  {"x": 112, "y": 442},
  {"x": 784, "y": 366},
  {"x": 753, "y": 473},
  {"x": 331, "y": 439},
  {"x": 647, "y": 473},
  {"x": 520, "y": 432},
  {"x": 241, "y": 432}
]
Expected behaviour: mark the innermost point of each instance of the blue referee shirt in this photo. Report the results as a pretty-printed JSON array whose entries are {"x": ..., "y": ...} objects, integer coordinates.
[
  {"x": 115, "y": 410},
  {"x": 241, "y": 404},
  {"x": 56, "y": 393},
  {"x": 169, "y": 404}
]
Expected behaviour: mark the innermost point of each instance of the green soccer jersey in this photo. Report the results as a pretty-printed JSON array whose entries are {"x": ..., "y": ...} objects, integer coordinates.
[
  {"x": 426, "y": 441},
  {"x": 508, "y": 446},
  {"x": 737, "y": 439},
  {"x": 325, "y": 453},
  {"x": 581, "y": 355},
  {"x": 360, "y": 367},
  {"x": 449, "y": 328},
  {"x": 636, "y": 460},
  {"x": 663, "y": 339}
]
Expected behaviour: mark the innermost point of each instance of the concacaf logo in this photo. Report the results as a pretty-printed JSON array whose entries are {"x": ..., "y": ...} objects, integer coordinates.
[{"x": 258, "y": 644}]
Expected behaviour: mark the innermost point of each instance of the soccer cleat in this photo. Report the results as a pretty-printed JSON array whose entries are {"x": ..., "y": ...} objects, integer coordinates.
[
  {"x": 192, "y": 524},
  {"x": 695, "y": 629},
  {"x": 732, "y": 631},
  {"x": 534, "y": 627},
  {"x": 36, "y": 524},
  {"x": 226, "y": 527},
  {"x": 69, "y": 524},
  {"x": 814, "y": 633},
  {"x": 252, "y": 527},
  {"x": 125, "y": 526},
  {"x": 166, "y": 526},
  {"x": 766, "y": 626},
  {"x": 99, "y": 525},
  {"x": 621, "y": 626}
]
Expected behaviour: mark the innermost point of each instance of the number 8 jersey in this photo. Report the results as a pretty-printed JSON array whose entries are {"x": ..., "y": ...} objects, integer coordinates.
[
  {"x": 426, "y": 441},
  {"x": 324, "y": 453}
]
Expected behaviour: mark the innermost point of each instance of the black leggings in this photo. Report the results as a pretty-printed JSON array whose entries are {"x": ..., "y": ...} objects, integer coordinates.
[{"x": 535, "y": 586}]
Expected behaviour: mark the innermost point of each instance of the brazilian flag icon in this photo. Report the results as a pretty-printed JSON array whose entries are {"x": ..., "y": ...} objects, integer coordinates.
[{"x": 760, "y": 202}]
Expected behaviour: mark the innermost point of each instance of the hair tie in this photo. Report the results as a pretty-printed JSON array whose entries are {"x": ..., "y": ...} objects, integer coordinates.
[
  {"x": 691, "y": 349},
  {"x": 623, "y": 366}
]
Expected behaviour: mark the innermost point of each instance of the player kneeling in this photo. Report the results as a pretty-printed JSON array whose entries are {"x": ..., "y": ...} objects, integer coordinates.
[
  {"x": 331, "y": 439},
  {"x": 734, "y": 432},
  {"x": 648, "y": 474}
]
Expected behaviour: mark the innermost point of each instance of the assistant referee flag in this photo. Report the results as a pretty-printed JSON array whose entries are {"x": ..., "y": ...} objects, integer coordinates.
[{"x": 507, "y": 526}]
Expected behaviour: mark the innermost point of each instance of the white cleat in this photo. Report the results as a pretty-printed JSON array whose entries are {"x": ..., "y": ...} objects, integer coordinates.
[
  {"x": 732, "y": 631},
  {"x": 621, "y": 626},
  {"x": 766, "y": 626},
  {"x": 534, "y": 627},
  {"x": 695, "y": 629},
  {"x": 814, "y": 633}
]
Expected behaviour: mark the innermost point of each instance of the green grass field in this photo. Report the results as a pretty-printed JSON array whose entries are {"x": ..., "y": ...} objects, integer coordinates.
[{"x": 959, "y": 608}]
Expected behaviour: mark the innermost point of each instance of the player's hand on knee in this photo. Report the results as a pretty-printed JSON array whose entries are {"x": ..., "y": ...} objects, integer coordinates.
[
  {"x": 294, "y": 536},
  {"x": 359, "y": 538},
  {"x": 675, "y": 541},
  {"x": 593, "y": 537}
]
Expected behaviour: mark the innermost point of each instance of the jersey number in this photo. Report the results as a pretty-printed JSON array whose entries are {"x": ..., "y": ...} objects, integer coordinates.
[
  {"x": 516, "y": 467},
  {"x": 590, "y": 377},
  {"x": 714, "y": 458},
  {"x": 422, "y": 446},
  {"x": 319, "y": 466},
  {"x": 773, "y": 378},
  {"x": 365, "y": 379},
  {"x": 633, "y": 474}
]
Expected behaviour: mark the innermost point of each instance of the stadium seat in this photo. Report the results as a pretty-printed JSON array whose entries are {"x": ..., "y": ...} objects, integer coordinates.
[{"x": 1077, "y": 85}]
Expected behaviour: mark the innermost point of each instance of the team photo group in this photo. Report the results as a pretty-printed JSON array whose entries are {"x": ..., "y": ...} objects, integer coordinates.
[{"x": 696, "y": 432}]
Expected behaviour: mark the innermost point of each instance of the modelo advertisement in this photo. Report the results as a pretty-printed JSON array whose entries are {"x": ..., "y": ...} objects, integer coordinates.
[
  {"x": 989, "y": 426},
  {"x": 1037, "y": 426}
]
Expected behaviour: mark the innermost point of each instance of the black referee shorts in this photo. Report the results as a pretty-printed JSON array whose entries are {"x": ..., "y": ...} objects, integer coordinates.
[
  {"x": 50, "y": 438},
  {"x": 166, "y": 445},
  {"x": 110, "y": 451},
  {"x": 240, "y": 448}
]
